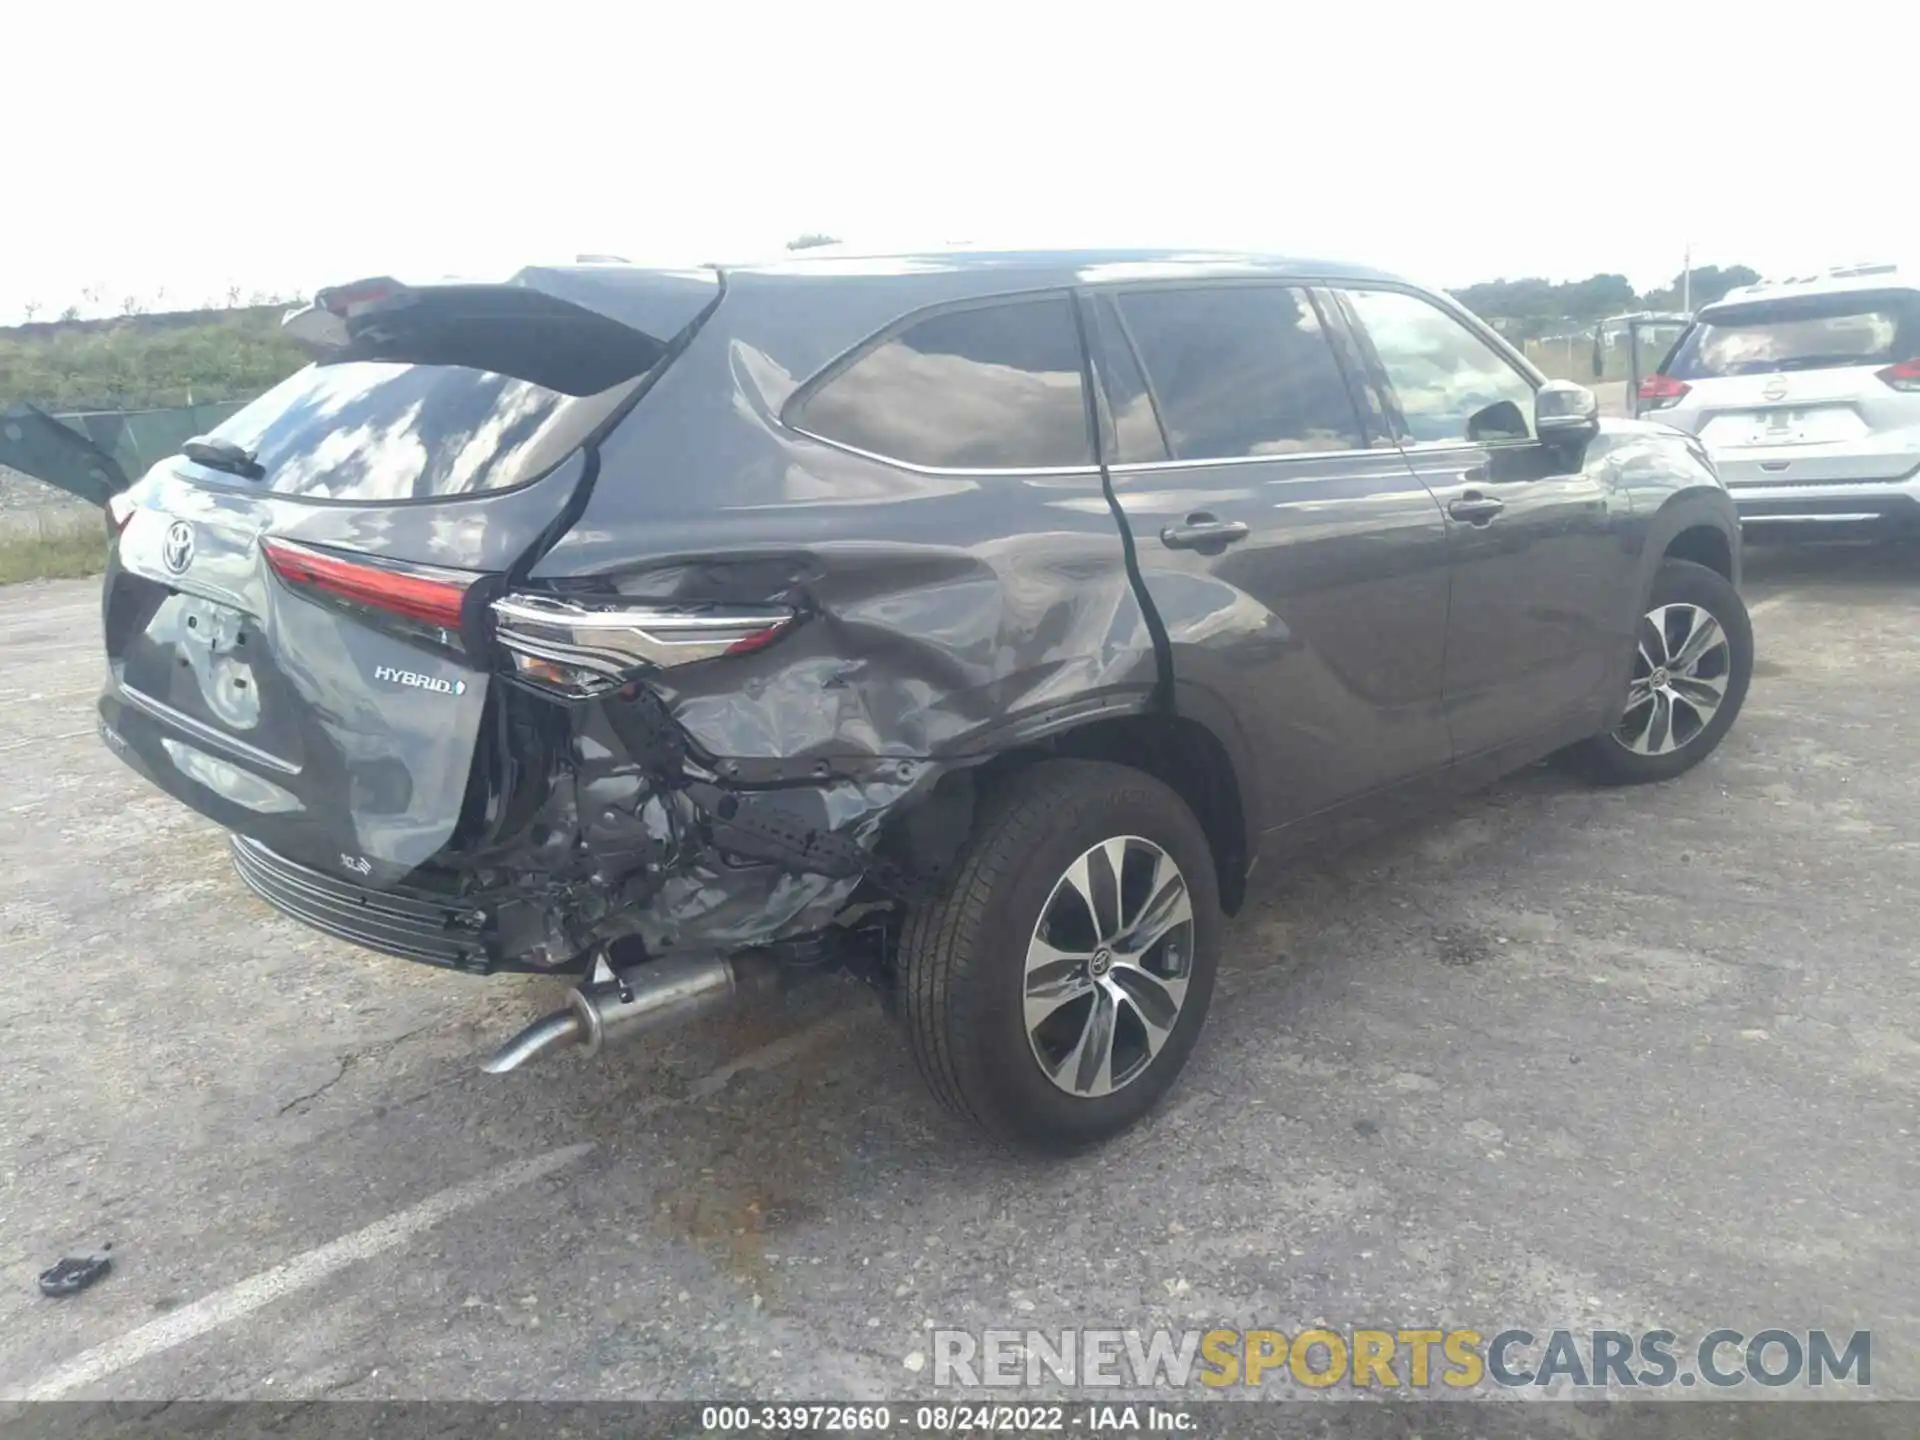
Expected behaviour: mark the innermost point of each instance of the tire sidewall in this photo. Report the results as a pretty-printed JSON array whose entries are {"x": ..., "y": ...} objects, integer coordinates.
[{"x": 1003, "y": 1059}]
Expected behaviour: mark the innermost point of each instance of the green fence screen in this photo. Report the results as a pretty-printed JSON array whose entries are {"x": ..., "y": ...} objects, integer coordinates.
[{"x": 96, "y": 452}]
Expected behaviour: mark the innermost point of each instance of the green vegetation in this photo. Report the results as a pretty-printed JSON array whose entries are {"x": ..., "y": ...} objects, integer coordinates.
[
  {"x": 1528, "y": 308},
  {"x": 139, "y": 364},
  {"x": 53, "y": 549}
]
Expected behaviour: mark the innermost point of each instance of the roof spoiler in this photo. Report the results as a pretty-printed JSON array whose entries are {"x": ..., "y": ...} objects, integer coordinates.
[{"x": 573, "y": 328}]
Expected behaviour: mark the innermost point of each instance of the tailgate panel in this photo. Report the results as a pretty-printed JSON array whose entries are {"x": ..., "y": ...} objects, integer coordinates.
[{"x": 304, "y": 726}]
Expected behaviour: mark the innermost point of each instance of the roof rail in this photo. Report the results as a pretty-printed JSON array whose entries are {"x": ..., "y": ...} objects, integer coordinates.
[{"x": 1863, "y": 270}]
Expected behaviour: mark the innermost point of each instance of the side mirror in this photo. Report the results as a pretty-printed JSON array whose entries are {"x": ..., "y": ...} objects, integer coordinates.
[
  {"x": 1563, "y": 410},
  {"x": 1502, "y": 420}
]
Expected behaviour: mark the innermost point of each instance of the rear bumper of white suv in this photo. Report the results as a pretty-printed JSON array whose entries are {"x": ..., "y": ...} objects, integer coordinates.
[{"x": 1868, "y": 505}]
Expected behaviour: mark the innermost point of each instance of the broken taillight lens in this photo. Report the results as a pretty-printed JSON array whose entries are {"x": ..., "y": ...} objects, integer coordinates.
[
  {"x": 585, "y": 647},
  {"x": 1904, "y": 377},
  {"x": 427, "y": 602},
  {"x": 1657, "y": 392}
]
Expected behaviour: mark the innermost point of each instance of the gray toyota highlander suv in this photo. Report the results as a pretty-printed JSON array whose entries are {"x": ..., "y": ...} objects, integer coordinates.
[{"x": 976, "y": 622}]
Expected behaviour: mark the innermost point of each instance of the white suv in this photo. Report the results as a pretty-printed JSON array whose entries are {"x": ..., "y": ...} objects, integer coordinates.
[{"x": 1806, "y": 392}]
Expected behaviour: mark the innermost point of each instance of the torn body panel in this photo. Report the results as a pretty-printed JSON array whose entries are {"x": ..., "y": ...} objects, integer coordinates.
[{"x": 930, "y": 622}]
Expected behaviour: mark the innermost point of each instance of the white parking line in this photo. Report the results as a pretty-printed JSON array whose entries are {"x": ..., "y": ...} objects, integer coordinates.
[
  {"x": 1772, "y": 602},
  {"x": 235, "y": 1302},
  {"x": 46, "y": 739},
  {"x": 242, "y": 1299}
]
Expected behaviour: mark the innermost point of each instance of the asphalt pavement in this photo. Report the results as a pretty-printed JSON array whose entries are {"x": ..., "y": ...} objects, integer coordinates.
[{"x": 1558, "y": 1057}]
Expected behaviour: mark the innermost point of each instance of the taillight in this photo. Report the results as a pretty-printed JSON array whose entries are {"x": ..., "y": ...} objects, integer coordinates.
[
  {"x": 583, "y": 647},
  {"x": 1905, "y": 376},
  {"x": 359, "y": 296},
  {"x": 1657, "y": 392},
  {"x": 426, "y": 600}
]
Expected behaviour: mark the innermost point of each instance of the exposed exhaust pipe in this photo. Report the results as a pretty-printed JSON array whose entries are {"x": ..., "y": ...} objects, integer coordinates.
[{"x": 648, "y": 997}]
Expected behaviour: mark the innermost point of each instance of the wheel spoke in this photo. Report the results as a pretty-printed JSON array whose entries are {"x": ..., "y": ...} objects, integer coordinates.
[
  {"x": 1167, "y": 906},
  {"x": 1156, "y": 999},
  {"x": 1087, "y": 1069},
  {"x": 1054, "y": 978},
  {"x": 1653, "y": 639},
  {"x": 1096, "y": 876},
  {"x": 1704, "y": 635},
  {"x": 1632, "y": 733},
  {"x": 1659, "y": 736},
  {"x": 1700, "y": 694}
]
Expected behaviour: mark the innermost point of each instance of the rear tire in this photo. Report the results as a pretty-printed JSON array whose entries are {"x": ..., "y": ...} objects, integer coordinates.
[
  {"x": 1691, "y": 669},
  {"x": 1084, "y": 913}
]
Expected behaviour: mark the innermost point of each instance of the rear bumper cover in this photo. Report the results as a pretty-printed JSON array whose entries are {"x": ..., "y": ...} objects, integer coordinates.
[
  {"x": 411, "y": 924},
  {"x": 1876, "y": 504}
]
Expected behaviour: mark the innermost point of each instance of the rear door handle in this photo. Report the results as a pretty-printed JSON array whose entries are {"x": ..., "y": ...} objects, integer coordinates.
[
  {"x": 1206, "y": 533},
  {"x": 1476, "y": 508}
]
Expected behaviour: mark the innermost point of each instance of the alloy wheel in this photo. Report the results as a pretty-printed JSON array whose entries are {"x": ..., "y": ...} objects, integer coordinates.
[
  {"x": 1107, "y": 968},
  {"x": 1680, "y": 675}
]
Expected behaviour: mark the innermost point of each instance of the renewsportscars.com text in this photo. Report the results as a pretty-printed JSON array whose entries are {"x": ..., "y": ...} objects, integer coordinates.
[{"x": 1411, "y": 1359}]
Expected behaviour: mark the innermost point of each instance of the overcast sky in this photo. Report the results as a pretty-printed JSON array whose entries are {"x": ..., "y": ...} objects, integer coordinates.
[{"x": 172, "y": 151}]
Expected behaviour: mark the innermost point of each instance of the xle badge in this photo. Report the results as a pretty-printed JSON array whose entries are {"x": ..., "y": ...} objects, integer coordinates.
[{"x": 414, "y": 680}]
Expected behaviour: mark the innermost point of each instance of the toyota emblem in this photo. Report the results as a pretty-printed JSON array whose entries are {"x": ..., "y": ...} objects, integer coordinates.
[{"x": 176, "y": 552}]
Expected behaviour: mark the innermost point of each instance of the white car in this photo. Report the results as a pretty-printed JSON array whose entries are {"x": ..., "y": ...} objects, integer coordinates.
[{"x": 1806, "y": 392}]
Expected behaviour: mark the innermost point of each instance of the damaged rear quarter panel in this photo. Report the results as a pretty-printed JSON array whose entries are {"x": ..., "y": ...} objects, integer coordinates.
[{"x": 948, "y": 616}]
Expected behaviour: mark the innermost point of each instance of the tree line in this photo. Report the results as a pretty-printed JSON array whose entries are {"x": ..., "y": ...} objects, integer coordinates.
[{"x": 1532, "y": 307}]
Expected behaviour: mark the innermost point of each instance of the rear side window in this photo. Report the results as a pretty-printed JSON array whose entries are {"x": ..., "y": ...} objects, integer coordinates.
[
  {"x": 1241, "y": 370},
  {"x": 1814, "y": 332},
  {"x": 382, "y": 430},
  {"x": 991, "y": 387}
]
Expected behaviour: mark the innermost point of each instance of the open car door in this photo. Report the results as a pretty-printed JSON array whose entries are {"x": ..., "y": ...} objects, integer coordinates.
[{"x": 39, "y": 446}]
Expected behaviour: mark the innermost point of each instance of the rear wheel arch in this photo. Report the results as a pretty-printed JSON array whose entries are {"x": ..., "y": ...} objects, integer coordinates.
[{"x": 1183, "y": 754}]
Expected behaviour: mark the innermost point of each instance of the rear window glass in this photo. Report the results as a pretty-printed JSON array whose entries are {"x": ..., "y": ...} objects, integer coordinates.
[
  {"x": 378, "y": 430},
  {"x": 995, "y": 387},
  {"x": 1241, "y": 370},
  {"x": 1812, "y": 333}
]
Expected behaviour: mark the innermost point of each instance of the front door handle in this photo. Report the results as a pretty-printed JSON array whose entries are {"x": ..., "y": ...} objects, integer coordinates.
[
  {"x": 1203, "y": 532},
  {"x": 1476, "y": 508}
]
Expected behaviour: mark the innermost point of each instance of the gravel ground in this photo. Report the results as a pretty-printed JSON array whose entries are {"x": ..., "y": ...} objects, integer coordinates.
[
  {"x": 1557, "y": 1057},
  {"x": 23, "y": 492},
  {"x": 28, "y": 507}
]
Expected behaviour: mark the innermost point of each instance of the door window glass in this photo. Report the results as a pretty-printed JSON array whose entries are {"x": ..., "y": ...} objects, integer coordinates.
[
  {"x": 1452, "y": 386},
  {"x": 1241, "y": 370}
]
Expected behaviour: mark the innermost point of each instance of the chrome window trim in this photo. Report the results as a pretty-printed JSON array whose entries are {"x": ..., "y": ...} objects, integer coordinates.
[
  {"x": 1415, "y": 448},
  {"x": 1137, "y": 467}
]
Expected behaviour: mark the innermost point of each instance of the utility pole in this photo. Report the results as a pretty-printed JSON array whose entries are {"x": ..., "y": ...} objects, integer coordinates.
[{"x": 1686, "y": 281}]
